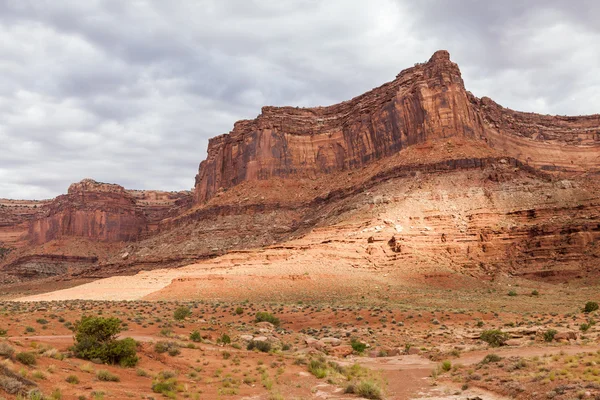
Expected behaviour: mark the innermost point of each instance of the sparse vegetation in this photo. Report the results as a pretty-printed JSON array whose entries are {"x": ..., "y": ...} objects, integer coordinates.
[
  {"x": 494, "y": 337},
  {"x": 262, "y": 316},
  {"x": 590, "y": 306},
  {"x": 182, "y": 313}
]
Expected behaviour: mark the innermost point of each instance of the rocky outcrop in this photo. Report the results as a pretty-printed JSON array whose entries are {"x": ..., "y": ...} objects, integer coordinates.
[
  {"x": 424, "y": 103},
  {"x": 103, "y": 212}
]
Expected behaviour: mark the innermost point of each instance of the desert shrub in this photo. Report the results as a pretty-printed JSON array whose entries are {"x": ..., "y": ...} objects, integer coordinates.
[
  {"x": 491, "y": 358},
  {"x": 182, "y": 313},
  {"x": 13, "y": 383},
  {"x": 494, "y": 337},
  {"x": 265, "y": 347},
  {"x": 96, "y": 339},
  {"x": 167, "y": 347},
  {"x": 535, "y": 293},
  {"x": 41, "y": 321},
  {"x": 587, "y": 325},
  {"x": 165, "y": 387},
  {"x": 26, "y": 358},
  {"x": 358, "y": 346},
  {"x": 512, "y": 293},
  {"x": 106, "y": 376},
  {"x": 318, "y": 368},
  {"x": 239, "y": 311},
  {"x": 446, "y": 366},
  {"x": 195, "y": 336},
  {"x": 224, "y": 339},
  {"x": 369, "y": 389},
  {"x": 6, "y": 350},
  {"x": 72, "y": 379},
  {"x": 549, "y": 335},
  {"x": 590, "y": 306},
  {"x": 3, "y": 332},
  {"x": 262, "y": 316},
  {"x": 29, "y": 329}
]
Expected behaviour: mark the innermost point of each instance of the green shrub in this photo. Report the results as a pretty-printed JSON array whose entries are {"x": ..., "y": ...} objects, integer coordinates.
[
  {"x": 262, "y": 316},
  {"x": 318, "y": 368},
  {"x": 549, "y": 335},
  {"x": 512, "y": 293},
  {"x": 239, "y": 311},
  {"x": 224, "y": 339},
  {"x": 535, "y": 293},
  {"x": 358, "y": 346},
  {"x": 265, "y": 347},
  {"x": 106, "y": 376},
  {"x": 195, "y": 336},
  {"x": 446, "y": 366},
  {"x": 182, "y": 313},
  {"x": 72, "y": 379},
  {"x": 590, "y": 306},
  {"x": 96, "y": 339},
  {"x": 491, "y": 358},
  {"x": 26, "y": 358},
  {"x": 587, "y": 325},
  {"x": 165, "y": 387},
  {"x": 494, "y": 337}
]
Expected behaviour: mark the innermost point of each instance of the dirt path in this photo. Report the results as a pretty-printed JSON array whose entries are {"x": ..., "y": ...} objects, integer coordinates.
[{"x": 408, "y": 376}]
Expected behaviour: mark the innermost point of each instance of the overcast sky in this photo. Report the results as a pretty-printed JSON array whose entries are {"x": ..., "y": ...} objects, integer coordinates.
[{"x": 129, "y": 91}]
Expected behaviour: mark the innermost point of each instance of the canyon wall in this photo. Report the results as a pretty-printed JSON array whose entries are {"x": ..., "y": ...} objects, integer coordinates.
[
  {"x": 425, "y": 102},
  {"x": 103, "y": 212}
]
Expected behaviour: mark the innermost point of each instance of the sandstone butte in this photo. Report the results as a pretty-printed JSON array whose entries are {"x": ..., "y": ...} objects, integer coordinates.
[{"x": 296, "y": 172}]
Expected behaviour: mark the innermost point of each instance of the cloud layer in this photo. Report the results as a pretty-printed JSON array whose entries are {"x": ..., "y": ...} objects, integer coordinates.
[{"x": 130, "y": 91}]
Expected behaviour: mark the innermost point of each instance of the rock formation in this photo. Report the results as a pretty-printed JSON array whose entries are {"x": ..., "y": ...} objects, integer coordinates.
[{"x": 423, "y": 103}]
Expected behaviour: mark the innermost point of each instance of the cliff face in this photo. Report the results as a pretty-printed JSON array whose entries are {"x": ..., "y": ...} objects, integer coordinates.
[
  {"x": 102, "y": 212},
  {"x": 422, "y": 103},
  {"x": 426, "y": 102}
]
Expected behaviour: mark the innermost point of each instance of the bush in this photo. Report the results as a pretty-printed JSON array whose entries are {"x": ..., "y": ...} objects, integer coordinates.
[
  {"x": 26, "y": 358},
  {"x": 167, "y": 347},
  {"x": 165, "y": 387},
  {"x": 239, "y": 311},
  {"x": 96, "y": 338},
  {"x": 195, "y": 336},
  {"x": 182, "y": 313},
  {"x": 265, "y": 347},
  {"x": 512, "y": 293},
  {"x": 446, "y": 366},
  {"x": 491, "y": 358},
  {"x": 224, "y": 339},
  {"x": 318, "y": 368},
  {"x": 263, "y": 316},
  {"x": 72, "y": 379},
  {"x": 369, "y": 389},
  {"x": 535, "y": 293},
  {"x": 549, "y": 335},
  {"x": 590, "y": 306},
  {"x": 358, "y": 346},
  {"x": 106, "y": 376},
  {"x": 6, "y": 350},
  {"x": 494, "y": 337}
]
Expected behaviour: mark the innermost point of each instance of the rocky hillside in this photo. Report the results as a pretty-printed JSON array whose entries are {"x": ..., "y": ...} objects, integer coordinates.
[{"x": 474, "y": 187}]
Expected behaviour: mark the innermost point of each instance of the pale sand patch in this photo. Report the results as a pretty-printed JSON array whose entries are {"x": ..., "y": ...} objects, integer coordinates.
[{"x": 114, "y": 288}]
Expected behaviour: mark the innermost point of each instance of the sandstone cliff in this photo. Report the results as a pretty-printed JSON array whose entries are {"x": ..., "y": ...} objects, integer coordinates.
[
  {"x": 103, "y": 212},
  {"x": 426, "y": 102}
]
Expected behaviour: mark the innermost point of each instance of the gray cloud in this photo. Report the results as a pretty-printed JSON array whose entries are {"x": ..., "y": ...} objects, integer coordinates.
[{"x": 129, "y": 92}]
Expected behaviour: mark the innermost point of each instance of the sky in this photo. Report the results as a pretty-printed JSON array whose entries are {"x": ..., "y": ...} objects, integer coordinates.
[{"x": 129, "y": 92}]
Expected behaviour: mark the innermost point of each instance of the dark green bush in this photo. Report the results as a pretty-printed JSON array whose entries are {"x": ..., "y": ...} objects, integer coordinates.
[
  {"x": 549, "y": 335},
  {"x": 494, "y": 337},
  {"x": 182, "y": 313},
  {"x": 590, "y": 306},
  {"x": 265, "y": 347},
  {"x": 262, "y": 316},
  {"x": 96, "y": 339},
  {"x": 224, "y": 339},
  {"x": 195, "y": 336},
  {"x": 239, "y": 311},
  {"x": 358, "y": 346}
]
